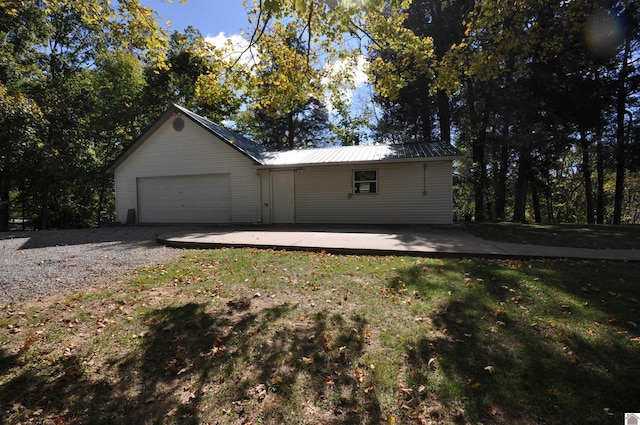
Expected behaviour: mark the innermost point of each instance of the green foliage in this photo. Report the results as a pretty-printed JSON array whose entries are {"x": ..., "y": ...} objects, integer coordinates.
[
  {"x": 305, "y": 126},
  {"x": 79, "y": 65}
]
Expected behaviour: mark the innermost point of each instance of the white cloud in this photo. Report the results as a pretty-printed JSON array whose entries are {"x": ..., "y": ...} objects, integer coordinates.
[
  {"x": 355, "y": 68},
  {"x": 357, "y": 76},
  {"x": 235, "y": 46}
]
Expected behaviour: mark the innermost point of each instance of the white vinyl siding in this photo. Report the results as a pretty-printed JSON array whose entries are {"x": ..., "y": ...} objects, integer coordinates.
[
  {"x": 407, "y": 193},
  {"x": 192, "y": 151}
]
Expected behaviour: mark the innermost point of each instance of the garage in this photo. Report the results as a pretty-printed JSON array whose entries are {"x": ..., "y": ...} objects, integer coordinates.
[
  {"x": 202, "y": 198},
  {"x": 187, "y": 169}
]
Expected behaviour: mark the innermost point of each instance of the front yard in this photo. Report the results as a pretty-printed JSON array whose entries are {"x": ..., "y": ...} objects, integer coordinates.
[{"x": 242, "y": 336}]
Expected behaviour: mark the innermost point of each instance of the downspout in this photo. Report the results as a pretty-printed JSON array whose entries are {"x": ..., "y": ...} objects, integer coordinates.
[{"x": 424, "y": 179}]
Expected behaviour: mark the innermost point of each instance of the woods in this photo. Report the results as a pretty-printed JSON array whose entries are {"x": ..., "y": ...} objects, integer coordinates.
[{"x": 541, "y": 96}]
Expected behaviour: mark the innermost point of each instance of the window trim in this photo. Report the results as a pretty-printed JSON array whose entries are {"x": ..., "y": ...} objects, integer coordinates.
[{"x": 374, "y": 181}]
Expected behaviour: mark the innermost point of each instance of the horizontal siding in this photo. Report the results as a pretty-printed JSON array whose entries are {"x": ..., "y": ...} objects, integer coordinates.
[
  {"x": 191, "y": 151},
  {"x": 324, "y": 195}
]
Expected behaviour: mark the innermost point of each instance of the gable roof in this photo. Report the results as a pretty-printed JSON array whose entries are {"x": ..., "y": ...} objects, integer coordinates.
[
  {"x": 314, "y": 156},
  {"x": 240, "y": 143}
]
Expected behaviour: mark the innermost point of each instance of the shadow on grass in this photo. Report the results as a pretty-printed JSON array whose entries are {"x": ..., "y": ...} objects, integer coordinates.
[
  {"x": 554, "y": 349},
  {"x": 194, "y": 358},
  {"x": 563, "y": 235}
]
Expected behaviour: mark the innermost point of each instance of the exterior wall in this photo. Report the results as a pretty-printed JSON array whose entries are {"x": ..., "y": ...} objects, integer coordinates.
[
  {"x": 191, "y": 151},
  {"x": 324, "y": 194}
]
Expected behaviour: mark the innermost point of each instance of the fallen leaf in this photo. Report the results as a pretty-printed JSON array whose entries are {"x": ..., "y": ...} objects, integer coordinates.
[
  {"x": 390, "y": 420},
  {"x": 490, "y": 410},
  {"x": 405, "y": 391},
  {"x": 327, "y": 343},
  {"x": 490, "y": 369}
]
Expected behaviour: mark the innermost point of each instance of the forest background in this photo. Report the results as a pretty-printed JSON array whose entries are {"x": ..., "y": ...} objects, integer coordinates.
[{"x": 542, "y": 96}]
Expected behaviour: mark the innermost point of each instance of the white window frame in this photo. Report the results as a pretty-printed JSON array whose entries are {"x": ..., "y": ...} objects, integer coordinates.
[{"x": 357, "y": 182}]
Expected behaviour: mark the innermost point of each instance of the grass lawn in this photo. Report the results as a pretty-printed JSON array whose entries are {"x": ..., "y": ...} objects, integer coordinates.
[
  {"x": 242, "y": 336},
  {"x": 572, "y": 235}
]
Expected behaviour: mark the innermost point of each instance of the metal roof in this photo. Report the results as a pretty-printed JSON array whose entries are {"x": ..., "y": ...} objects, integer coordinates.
[
  {"x": 330, "y": 155},
  {"x": 247, "y": 146},
  {"x": 361, "y": 153}
]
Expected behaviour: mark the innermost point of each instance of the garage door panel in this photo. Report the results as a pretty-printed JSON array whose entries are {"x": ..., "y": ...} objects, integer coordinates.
[{"x": 185, "y": 199}]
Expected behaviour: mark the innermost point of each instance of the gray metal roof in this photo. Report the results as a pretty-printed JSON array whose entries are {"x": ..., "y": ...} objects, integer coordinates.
[
  {"x": 247, "y": 146},
  {"x": 331, "y": 155},
  {"x": 339, "y": 154},
  {"x": 361, "y": 153}
]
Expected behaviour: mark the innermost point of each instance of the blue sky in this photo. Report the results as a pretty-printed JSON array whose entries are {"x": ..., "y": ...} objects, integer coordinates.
[
  {"x": 211, "y": 17},
  {"x": 219, "y": 20}
]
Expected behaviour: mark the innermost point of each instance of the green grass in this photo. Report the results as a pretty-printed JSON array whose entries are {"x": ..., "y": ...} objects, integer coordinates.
[
  {"x": 247, "y": 336},
  {"x": 567, "y": 235}
]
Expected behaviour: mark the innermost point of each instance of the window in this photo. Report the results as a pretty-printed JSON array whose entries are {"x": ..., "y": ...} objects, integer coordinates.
[{"x": 365, "y": 181}]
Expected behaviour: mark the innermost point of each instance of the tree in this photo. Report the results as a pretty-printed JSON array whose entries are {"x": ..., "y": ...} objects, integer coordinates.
[
  {"x": 534, "y": 52},
  {"x": 53, "y": 71},
  {"x": 20, "y": 121},
  {"x": 303, "y": 127},
  {"x": 631, "y": 15}
]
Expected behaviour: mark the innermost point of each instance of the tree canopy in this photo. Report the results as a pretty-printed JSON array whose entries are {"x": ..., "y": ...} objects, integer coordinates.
[{"x": 542, "y": 95}]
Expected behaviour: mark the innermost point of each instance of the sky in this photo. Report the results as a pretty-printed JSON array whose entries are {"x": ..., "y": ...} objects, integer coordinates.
[
  {"x": 211, "y": 17},
  {"x": 219, "y": 20}
]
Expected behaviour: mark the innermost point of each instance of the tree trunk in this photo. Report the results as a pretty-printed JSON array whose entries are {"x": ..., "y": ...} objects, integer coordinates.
[
  {"x": 620, "y": 133},
  {"x": 480, "y": 166},
  {"x": 501, "y": 186},
  {"x": 586, "y": 174},
  {"x": 524, "y": 170},
  {"x": 535, "y": 198},
  {"x": 444, "y": 116},
  {"x": 5, "y": 213},
  {"x": 600, "y": 171},
  {"x": 427, "y": 124},
  {"x": 478, "y": 128},
  {"x": 291, "y": 134},
  {"x": 45, "y": 210}
]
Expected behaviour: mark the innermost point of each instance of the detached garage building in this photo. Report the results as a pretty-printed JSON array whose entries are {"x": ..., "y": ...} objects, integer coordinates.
[{"x": 187, "y": 169}]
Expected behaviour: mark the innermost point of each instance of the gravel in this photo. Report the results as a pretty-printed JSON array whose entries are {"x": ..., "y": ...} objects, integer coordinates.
[{"x": 46, "y": 262}]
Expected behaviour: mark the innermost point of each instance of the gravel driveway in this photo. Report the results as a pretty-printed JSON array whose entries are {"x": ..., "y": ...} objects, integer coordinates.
[{"x": 45, "y": 262}]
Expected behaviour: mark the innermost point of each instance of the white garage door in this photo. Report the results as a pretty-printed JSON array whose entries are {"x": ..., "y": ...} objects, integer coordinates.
[{"x": 185, "y": 199}]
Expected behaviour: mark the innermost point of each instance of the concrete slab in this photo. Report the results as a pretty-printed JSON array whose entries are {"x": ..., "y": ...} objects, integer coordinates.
[{"x": 427, "y": 241}]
